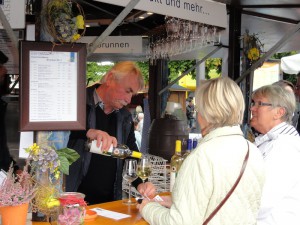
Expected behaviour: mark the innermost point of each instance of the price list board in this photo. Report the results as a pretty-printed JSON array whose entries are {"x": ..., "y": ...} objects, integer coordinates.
[{"x": 52, "y": 86}]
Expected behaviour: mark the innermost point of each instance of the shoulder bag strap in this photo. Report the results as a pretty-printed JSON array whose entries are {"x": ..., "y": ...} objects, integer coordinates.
[{"x": 231, "y": 190}]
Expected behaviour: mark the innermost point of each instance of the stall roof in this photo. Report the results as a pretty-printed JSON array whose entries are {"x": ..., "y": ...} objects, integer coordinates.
[
  {"x": 176, "y": 87},
  {"x": 291, "y": 64},
  {"x": 270, "y": 19}
]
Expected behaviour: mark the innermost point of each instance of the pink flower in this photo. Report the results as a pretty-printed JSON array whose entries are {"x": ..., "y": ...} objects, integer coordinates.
[{"x": 16, "y": 190}]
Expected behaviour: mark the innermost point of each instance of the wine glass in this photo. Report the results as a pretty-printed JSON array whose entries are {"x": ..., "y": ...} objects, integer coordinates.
[
  {"x": 129, "y": 174},
  {"x": 144, "y": 168}
]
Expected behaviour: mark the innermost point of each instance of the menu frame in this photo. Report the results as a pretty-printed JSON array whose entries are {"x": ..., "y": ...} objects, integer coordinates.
[{"x": 79, "y": 50}]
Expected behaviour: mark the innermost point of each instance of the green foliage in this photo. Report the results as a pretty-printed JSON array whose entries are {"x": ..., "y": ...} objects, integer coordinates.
[
  {"x": 66, "y": 157},
  {"x": 213, "y": 68},
  {"x": 176, "y": 68},
  {"x": 95, "y": 71},
  {"x": 283, "y": 54},
  {"x": 144, "y": 66},
  {"x": 290, "y": 77}
]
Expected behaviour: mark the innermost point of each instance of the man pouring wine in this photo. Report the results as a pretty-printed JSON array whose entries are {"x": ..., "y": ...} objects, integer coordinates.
[{"x": 100, "y": 177}]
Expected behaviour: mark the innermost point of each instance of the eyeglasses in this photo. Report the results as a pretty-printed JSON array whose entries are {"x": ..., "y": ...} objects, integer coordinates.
[{"x": 260, "y": 103}]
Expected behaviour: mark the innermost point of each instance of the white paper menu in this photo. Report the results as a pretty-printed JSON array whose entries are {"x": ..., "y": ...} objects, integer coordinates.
[
  {"x": 110, "y": 214},
  {"x": 53, "y": 86}
]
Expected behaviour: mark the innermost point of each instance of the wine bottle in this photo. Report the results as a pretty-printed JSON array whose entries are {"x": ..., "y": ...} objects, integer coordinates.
[
  {"x": 188, "y": 148},
  {"x": 195, "y": 143},
  {"x": 120, "y": 151},
  {"x": 176, "y": 162}
]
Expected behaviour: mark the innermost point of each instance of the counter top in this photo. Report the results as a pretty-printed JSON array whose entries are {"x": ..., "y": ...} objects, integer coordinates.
[{"x": 116, "y": 206}]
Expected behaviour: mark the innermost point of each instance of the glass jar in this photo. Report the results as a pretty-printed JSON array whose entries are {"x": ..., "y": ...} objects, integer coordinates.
[{"x": 72, "y": 208}]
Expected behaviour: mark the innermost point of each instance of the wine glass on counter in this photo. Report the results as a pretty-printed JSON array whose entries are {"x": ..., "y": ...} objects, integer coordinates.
[
  {"x": 144, "y": 168},
  {"x": 130, "y": 174}
]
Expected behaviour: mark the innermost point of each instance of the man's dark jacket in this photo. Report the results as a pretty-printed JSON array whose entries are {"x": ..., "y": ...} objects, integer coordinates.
[{"x": 124, "y": 134}]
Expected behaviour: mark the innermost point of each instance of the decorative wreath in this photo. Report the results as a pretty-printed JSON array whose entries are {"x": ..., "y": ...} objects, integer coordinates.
[
  {"x": 252, "y": 47},
  {"x": 65, "y": 20}
]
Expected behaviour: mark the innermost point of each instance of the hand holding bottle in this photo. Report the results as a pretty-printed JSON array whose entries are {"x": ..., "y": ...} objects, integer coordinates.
[
  {"x": 102, "y": 137},
  {"x": 120, "y": 151}
]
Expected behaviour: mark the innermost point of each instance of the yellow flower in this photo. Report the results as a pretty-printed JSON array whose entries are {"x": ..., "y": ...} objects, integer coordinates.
[
  {"x": 56, "y": 173},
  {"x": 75, "y": 37},
  {"x": 79, "y": 22},
  {"x": 52, "y": 202},
  {"x": 33, "y": 149},
  {"x": 253, "y": 54}
]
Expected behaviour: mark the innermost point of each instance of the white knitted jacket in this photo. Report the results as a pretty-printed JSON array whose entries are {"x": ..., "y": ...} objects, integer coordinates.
[{"x": 205, "y": 178}]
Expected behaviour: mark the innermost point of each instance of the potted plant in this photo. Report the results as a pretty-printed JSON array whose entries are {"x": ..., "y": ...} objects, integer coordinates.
[
  {"x": 47, "y": 166},
  {"x": 16, "y": 192}
]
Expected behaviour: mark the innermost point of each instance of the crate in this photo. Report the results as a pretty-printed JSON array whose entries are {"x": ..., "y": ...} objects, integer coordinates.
[{"x": 160, "y": 176}]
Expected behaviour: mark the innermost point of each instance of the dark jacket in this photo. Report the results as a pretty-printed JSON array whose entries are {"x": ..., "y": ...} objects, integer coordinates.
[
  {"x": 125, "y": 134},
  {"x": 190, "y": 109},
  {"x": 5, "y": 157}
]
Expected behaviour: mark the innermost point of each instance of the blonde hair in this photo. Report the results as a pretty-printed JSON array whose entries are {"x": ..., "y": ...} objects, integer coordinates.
[
  {"x": 278, "y": 97},
  {"x": 220, "y": 102},
  {"x": 123, "y": 69}
]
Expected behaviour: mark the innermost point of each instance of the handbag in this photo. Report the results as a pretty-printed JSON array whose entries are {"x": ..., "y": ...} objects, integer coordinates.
[{"x": 230, "y": 191}]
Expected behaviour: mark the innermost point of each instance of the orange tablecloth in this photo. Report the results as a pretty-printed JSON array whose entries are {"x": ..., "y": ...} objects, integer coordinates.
[{"x": 116, "y": 206}]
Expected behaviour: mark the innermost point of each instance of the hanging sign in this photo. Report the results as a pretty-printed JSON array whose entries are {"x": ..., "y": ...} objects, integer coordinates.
[
  {"x": 14, "y": 10},
  {"x": 208, "y": 12},
  {"x": 117, "y": 44}
]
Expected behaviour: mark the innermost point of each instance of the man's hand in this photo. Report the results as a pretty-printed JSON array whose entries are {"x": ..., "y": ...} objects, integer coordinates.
[
  {"x": 102, "y": 136},
  {"x": 147, "y": 190}
]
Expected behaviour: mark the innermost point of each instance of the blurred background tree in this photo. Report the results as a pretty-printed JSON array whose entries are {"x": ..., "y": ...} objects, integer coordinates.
[
  {"x": 95, "y": 71},
  {"x": 213, "y": 68},
  {"x": 290, "y": 77}
]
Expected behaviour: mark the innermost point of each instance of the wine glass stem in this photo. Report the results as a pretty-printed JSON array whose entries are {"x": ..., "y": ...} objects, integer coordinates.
[{"x": 129, "y": 194}]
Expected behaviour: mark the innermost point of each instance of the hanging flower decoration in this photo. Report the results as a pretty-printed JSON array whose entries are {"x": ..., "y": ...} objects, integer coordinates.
[
  {"x": 252, "y": 48},
  {"x": 65, "y": 20}
]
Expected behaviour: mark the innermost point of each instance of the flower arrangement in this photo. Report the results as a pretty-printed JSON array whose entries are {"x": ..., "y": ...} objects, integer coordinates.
[
  {"x": 252, "y": 48},
  {"x": 70, "y": 216},
  {"x": 73, "y": 208},
  {"x": 62, "y": 24},
  {"x": 17, "y": 189},
  {"x": 47, "y": 165}
]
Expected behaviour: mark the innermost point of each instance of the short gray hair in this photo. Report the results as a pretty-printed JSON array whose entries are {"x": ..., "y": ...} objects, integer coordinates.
[
  {"x": 278, "y": 97},
  {"x": 220, "y": 102},
  {"x": 123, "y": 69}
]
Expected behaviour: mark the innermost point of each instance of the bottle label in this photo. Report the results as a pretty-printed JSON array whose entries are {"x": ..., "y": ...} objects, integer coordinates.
[
  {"x": 98, "y": 150},
  {"x": 172, "y": 179},
  {"x": 136, "y": 154}
]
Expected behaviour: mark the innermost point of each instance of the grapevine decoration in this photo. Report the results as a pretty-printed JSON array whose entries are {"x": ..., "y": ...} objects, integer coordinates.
[
  {"x": 252, "y": 48},
  {"x": 64, "y": 20}
]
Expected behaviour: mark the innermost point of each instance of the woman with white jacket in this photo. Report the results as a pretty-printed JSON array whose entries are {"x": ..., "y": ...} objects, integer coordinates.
[{"x": 210, "y": 171}]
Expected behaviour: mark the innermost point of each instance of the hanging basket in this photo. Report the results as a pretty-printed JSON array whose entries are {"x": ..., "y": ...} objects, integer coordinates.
[{"x": 65, "y": 20}]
